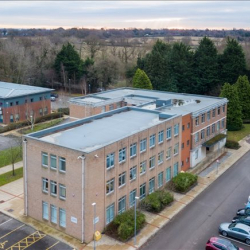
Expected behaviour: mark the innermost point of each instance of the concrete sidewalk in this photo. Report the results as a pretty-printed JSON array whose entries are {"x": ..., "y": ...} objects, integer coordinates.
[
  {"x": 11, "y": 203},
  {"x": 9, "y": 167}
]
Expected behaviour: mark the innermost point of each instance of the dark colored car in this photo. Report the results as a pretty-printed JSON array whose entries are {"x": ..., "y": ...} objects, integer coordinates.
[
  {"x": 216, "y": 243},
  {"x": 54, "y": 95},
  {"x": 243, "y": 211},
  {"x": 242, "y": 219}
]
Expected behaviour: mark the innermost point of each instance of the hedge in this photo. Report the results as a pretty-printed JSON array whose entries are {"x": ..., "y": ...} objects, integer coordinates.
[
  {"x": 232, "y": 144},
  {"x": 65, "y": 111},
  {"x": 157, "y": 201},
  {"x": 183, "y": 181}
]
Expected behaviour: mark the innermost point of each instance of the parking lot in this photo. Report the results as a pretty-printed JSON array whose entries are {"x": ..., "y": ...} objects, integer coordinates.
[{"x": 17, "y": 235}]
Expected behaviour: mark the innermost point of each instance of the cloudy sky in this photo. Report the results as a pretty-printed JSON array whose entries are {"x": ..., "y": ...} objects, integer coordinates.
[{"x": 125, "y": 14}]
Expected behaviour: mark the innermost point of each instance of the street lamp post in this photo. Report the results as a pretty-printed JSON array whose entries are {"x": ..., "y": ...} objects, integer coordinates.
[
  {"x": 94, "y": 205},
  {"x": 136, "y": 198}
]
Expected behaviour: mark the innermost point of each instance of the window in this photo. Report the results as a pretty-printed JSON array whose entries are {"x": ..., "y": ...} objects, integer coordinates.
[
  {"x": 143, "y": 166},
  {"x": 118, "y": 105},
  {"x": 223, "y": 123},
  {"x": 17, "y": 117},
  {"x": 122, "y": 155},
  {"x": 41, "y": 111},
  {"x": 111, "y": 107},
  {"x": 45, "y": 110},
  {"x": 176, "y": 148},
  {"x": 223, "y": 108},
  {"x": 142, "y": 191},
  {"x": 45, "y": 183},
  {"x": 168, "y": 155},
  {"x": 17, "y": 102},
  {"x": 53, "y": 161},
  {"x": 168, "y": 174},
  {"x": 32, "y": 100},
  {"x": 213, "y": 128},
  {"x": 182, "y": 145},
  {"x": 196, "y": 137},
  {"x": 40, "y": 98},
  {"x": 133, "y": 173},
  {"x": 110, "y": 160},
  {"x": 62, "y": 217},
  {"x": 160, "y": 158},
  {"x": 176, "y": 129},
  {"x": 213, "y": 113},
  {"x": 151, "y": 162},
  {"x": 133, "y": 150},
  {"x": 169, "y": 133},
  {"x": 187, "y": 159},
  {"x": 143, "y": 145},
  {"x": 62, "y": 164},
  {"x": 103, "y": 109},
  {"x": 110, "y": 213},
  {"x": 160, "y": 179},
  {"x": 218, "y": 125},
  {"x": 188, "y": 125},
  {"x": 196, "y": 154},
  {"x": 202, "y": 118},
  {"x": 53, "y": 188},
  {"x": 110, "y": 186},
  {"x": 218, "y": 110},
  {"x": 45, "y": 211},
  {"x": 53, "y": 214},
  {"x": 183, "y": 127},
  {"x": 122, "y": 179},
  {"x": 11, "y": 103},
  {"x": 44, "y": 159},
  {"x": 160, "y": 136},
  {"x": 122, "y": 205},
  {"x": 208, "y": 115},
  {"x": 152, "y": 141},
  {"x": 188, "y": 142},
  {"x": 197, "y": 121},
  {"x": 208, "y": 131},
  {"x": 11, "y": 118},
  {"x": 176, "y": 165},
  {"x": 62, "y": 191},
  {"x": 202, "y": 134},
  {"x": 132, "y": 195},
  {"x": 152, "y": 185}
]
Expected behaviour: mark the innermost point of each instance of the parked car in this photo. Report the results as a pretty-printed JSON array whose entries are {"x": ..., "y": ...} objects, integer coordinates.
[
  {"x": 236, "y": 230},
  {"x": 242, "y": 219},
  {"x": 54, "y": 95},
  {"x": 243, "y": 211},
  {"x": 216, "y": 243},
  {"x": 52, "y": 98}
]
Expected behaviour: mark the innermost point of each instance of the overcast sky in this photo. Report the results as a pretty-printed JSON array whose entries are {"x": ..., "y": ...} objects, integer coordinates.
[{"x": 125, "y": 14}]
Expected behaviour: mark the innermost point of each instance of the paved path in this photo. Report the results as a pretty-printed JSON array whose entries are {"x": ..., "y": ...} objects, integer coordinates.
[{"x": 9, "y": 167}]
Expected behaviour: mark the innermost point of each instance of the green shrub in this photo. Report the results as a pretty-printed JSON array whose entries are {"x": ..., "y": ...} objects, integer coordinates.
[
  {"x": 48, "y": 117},
  {"x": 183, "y": 181},
  {"x": 15, "y": 125},
  {"x": 232, "y": 144},
  {"x": 65, "y": 111}
]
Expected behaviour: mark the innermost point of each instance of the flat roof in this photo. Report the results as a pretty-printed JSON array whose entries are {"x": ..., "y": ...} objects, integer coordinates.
[
  {"x": 103, "y": 131},
  {"x": 8, "y": 90}
]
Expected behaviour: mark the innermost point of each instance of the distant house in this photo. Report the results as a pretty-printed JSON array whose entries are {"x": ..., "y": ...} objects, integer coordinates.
[{"x": 20, "y": 102}]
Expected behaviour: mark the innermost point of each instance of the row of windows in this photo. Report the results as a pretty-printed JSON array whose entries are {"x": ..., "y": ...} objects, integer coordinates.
[
  {"x": 122, "y": 202},
  {"x": 11, "y": 104},
  {"x": 203, "y": 116},
  {"x": 110, "y": 184},
  {"x": 53, "y": 214},
  {"x": 111, "y": 107},
  {"x": 61, "y": 162},
  {"x": 53, "y": 188}
]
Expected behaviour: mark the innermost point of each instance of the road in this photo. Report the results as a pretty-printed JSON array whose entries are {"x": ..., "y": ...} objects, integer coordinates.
[{"x": 200, "y": 220}]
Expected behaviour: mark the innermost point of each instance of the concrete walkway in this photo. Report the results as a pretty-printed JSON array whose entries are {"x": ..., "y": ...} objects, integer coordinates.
[
  {"x": 9, "y": 167},
  {"x": 11, "y": 203}
]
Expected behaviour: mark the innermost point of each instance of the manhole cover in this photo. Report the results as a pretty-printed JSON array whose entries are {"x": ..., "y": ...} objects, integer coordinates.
[
  {"x": 1, "y": 201},
  {"x": 10, "y": 210}
]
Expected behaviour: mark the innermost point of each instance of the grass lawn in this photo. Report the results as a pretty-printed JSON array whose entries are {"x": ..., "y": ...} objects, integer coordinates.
[
  {"x": 38, "y": 127},
  {"x": 238, "y": 135},
  {"x": 8, "y": 177},
  {"x": 5, "y": 156}
]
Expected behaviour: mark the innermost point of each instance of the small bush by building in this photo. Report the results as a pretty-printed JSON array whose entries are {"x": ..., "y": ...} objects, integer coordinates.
[
  {"x": 184, "y": 181},
  {"x": 232, "y": 144},
  {"x": 65, "y": 111}
]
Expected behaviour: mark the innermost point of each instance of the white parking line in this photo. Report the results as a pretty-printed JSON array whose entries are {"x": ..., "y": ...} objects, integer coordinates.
[
  {"x": 241, "y": 242},
  {"x": 5, "y": 222}
]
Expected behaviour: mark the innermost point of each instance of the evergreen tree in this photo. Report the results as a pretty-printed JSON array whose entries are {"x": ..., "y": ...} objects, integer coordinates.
[
  {"x": 205, "y": 67},
  {"x": 234, "y": 114},
  {"x": 141, "y": 80},
  {"x": 243, "y": 88},
  {"x": 232, "y": 62}
]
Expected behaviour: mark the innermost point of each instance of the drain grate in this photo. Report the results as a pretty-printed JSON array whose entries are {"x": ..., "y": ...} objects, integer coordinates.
[
  {"x": 10, "y": 210},
  {"x": 2, "y": 201}
]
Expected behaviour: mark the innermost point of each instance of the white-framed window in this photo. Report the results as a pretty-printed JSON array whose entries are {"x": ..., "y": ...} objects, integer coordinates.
[
  {"x": 168, "y": 154},
  {"x": 196, "y": 153},
  {"x": 218, "y": 111},
  {"x": 168, "y": 174},
  {"x": 176, "y": 148},
  {"x": 132, "y": 196},
  {"x": 122, "y": 205},
  {"x": 160, "y": 158},
  {"x": 122, "y": 179},
  {"x": 223, "y": 123},
  {"x": 110, "y": 185},
  {"x": 17, "y": 117},
  {"x": 44, "y": 159},
  {"x": 45, "y": 209},
  {"x": 133, "y": 150},
  {"x": 143, "y": 166},
  {"x": 53, "y": 188},
  {"x": 208, "y": 115},
  {"x": 176, "y": 129},
  {"x": 197, "y": 121},
  {"x": 160, "y": 136},
  {"x": 151, "y": 185},
  {"x": 169, "y": 133},
  {"x": 142, "y": 191},
  {"x": 143, "y": 145},
  {"x": 218, "y": 125},
  {"x": 45, "y": 185},
  {"x": 213, "y": 128},
  {"x": 196, "y": 137},
  {"x": 62, "y": 217},
  {"x": 188, "y": 125},
  {"x": 160, "y": 179},
  {"x": 213, "y": 113},
  {"x": 152, "y": 141},
  {"x": 202, "y": 118},
  {"x": 151, "y": 162},
  {"x": 53, "y": 214},
  {"x": 132, "y": 173},
  {"x": 62, "y": 191},
  {"x": 202, "y": 134},
  {"x": 122, "y": 155},
  {"x": 110, "y": 213},
  {"x": 53, "y": 160},
  {"x": 110, "y": 160},
  {"x": 41, "y": 111},
  {"x": 208, "y": 131},
  {"x": 62, "y": 164},
  {"x": 176, "y": 170}
]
